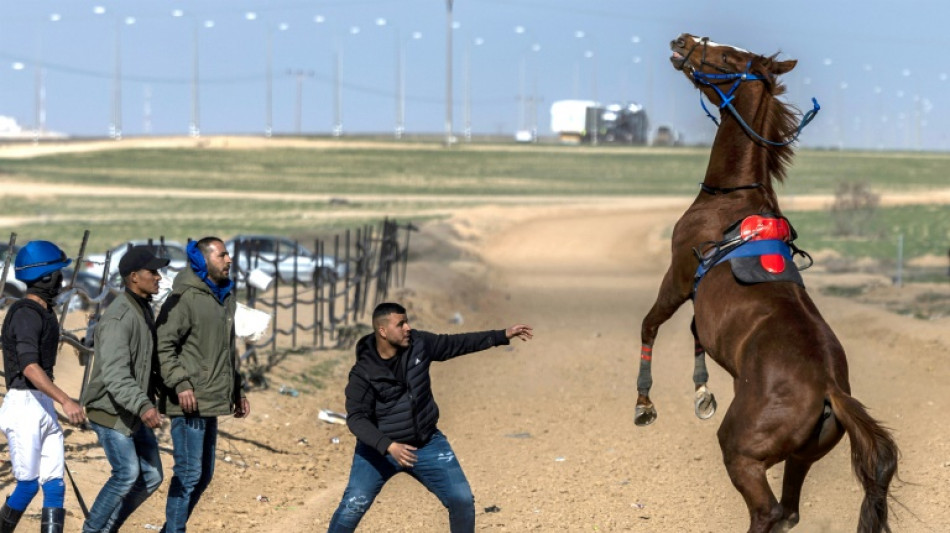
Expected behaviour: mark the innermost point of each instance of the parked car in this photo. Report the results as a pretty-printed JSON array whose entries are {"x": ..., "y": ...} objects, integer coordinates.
[
  {"x": 88, "y": 283},
  {"x": 279, "y": 255},
  {"x": 667, "y": 136},
  {"x": 174, "y": 251}
]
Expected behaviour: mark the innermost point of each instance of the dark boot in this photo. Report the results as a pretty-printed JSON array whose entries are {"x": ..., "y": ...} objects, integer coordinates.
[
  {"x": 9, "y": 518},
  {"x": 53, "y": 518}
]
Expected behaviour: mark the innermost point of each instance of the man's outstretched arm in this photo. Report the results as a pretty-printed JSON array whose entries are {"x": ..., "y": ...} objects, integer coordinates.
[{"x": 443, "y": 347}]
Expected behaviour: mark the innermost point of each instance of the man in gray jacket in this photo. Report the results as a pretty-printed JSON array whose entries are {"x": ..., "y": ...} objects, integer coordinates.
[
  {"x": 120, "y": 396},
  {"x": 199, "y": 367}
]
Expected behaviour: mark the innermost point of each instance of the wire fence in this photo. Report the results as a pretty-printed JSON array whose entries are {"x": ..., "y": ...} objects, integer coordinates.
[
  {"x": 323, "y": 306},
  {"x": 312, "y": 299}
]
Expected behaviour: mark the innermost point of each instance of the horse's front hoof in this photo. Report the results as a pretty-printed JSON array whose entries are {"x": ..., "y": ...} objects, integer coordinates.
[
  {"x": 644, "y": 415},
  {"x": 705, "y": 403}
]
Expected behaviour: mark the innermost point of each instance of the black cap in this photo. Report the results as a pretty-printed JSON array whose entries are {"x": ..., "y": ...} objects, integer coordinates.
[{"x": 139, "y": 258}]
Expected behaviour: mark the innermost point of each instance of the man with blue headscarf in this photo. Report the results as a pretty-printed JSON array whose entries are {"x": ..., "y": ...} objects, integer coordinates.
[
  {"x": 196, "y": 350},
  {"x": 28, "y": 418}
]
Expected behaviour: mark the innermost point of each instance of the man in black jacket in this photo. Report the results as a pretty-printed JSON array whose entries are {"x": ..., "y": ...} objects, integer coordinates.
[{"x": 391, "y": 411}]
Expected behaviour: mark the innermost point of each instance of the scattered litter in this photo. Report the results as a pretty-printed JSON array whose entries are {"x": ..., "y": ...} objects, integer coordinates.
[
  {"x": 263, "y": 499},
  {"x": 524, "y": 435},
  {"x": 227, "y": 458},
  {"x": 457, "y": 319},
  {"x": 259, "y": 279},
  {"x": 333, "y": 418},
  {"x": 638, "y": 505},
  {"x": 250, "y": 323},
  {"x": 559, "y": 459},
  {"x": 335, "y": 440},
  {"x": 492, "y": 509},
  {"x": 153, "y": 526},
  {"x": 303, "y": 441},
  {"x": 288, "y": 391}
]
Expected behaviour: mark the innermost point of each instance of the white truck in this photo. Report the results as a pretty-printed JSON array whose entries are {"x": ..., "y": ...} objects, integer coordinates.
[
  {"x": 569, "y": 119},
  {"x": 577, "y": 121}
]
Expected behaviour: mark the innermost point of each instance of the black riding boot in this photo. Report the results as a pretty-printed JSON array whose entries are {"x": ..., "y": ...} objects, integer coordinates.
[
  {"x": 9, "y": 518},
  {"x": 53, "y": 518}
]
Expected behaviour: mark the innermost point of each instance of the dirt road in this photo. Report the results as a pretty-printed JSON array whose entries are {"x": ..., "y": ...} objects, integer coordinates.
[{"x": 544, "y": 429}]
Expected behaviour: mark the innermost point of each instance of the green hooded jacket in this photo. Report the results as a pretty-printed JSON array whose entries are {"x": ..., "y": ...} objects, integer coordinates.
[
  {"x": 118, "y": 390},
  {"x": 196, "y": 348}
]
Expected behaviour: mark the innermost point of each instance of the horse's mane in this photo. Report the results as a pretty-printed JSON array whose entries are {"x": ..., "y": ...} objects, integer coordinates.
[{"x": 781, "y": 123}]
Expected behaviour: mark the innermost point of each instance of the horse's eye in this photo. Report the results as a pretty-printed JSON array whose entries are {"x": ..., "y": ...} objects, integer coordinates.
[{"x": 725, "y": 58}]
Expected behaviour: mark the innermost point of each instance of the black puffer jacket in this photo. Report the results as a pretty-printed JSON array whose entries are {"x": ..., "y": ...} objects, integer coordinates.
[{"x": 382, "y": 409}]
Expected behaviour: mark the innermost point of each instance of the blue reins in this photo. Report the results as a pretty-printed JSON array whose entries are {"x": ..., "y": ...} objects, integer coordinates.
[{"x": 713, "y": 80}]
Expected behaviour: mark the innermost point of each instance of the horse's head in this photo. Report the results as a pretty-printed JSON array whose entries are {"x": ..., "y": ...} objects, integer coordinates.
[
  {"x": 706, "y": 63},
  {"x": 740, "y": 82}
]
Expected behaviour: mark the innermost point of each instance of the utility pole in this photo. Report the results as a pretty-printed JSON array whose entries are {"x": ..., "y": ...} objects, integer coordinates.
[
  {"x": 448, "y": 73},
  {"x": 269, "y": 125},
  {"x": 337, "y": 93},
  {"x": 300, "y": 74},
  {"x": 116, "y": 126},
  {"x": 147, "y": 111},
  {"x": 195, "y": 112},
  {"x": 39, "y": 127}
]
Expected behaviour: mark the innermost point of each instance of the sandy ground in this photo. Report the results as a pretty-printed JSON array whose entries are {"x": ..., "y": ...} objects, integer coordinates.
[{"x": 544, "y": 429}]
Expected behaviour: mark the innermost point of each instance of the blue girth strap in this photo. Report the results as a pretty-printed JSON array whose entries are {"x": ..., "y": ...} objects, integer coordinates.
[{"x": 744, "y": 249}]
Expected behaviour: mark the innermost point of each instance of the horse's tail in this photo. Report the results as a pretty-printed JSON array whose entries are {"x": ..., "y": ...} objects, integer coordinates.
[{"x": 874, "y": 455}]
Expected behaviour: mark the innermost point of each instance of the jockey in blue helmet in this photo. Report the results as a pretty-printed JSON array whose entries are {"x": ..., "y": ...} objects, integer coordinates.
[{"x": 27, "y": 417}]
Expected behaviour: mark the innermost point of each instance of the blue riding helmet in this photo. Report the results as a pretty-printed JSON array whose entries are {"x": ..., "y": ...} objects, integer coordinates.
[{"x": 37, "y": 259}]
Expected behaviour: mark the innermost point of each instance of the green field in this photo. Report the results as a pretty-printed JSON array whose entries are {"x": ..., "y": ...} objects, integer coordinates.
[{"x": 433, "y": 176}]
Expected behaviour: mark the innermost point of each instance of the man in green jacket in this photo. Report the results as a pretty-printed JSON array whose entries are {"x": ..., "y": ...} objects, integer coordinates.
[
  {"x": 199, "y": 365},
  {"x": 120, "y": 396}
]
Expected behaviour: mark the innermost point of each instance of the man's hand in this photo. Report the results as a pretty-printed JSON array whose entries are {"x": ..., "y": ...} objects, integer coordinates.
[
  {"x": 522, "y": 331},
  {"x": 242, "y": 409},
  {"x": 187, "y": 401},
  {"x": 403, "y": 455},
  {"x": 73, "y": 412},
  {"x": 152, "y": 418}
]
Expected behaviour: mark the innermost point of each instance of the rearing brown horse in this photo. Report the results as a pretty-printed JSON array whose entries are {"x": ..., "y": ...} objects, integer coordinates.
[{"x": 792, "y": 396}]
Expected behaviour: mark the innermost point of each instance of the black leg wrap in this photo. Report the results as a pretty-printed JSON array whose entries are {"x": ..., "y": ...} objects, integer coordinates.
[
  {"x": 645, "y": 377},
  {"x": 53, "y": 519},
  {"x": 700, "y": 374}
]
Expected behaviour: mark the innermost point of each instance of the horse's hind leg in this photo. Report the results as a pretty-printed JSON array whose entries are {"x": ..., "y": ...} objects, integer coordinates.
[
  {"x": 825, "y": 436},
  {"x": 746, "y": 467},
  {"x": 705, "y": 401},
  {"x": 748, "y": 476},
  {"x": 795, "y": 471}
]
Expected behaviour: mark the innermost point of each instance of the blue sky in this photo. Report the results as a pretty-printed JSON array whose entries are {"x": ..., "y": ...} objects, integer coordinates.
[{"x": 874, "y": 66}]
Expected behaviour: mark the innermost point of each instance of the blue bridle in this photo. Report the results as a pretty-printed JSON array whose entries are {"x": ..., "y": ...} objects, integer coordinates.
[{"x": 714, "y": 80}]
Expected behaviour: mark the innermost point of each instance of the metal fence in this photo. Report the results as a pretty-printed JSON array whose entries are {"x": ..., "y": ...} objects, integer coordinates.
[
  {"x": 312, "y": 310},
  {"x": 319, "y": 309}
]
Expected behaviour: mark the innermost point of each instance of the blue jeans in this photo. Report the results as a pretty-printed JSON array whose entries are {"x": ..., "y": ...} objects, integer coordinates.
[
  {"x": 136, "y": 474},
  {"x": 437, "y": 469},
  {"x": 194, "y": 440}
]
